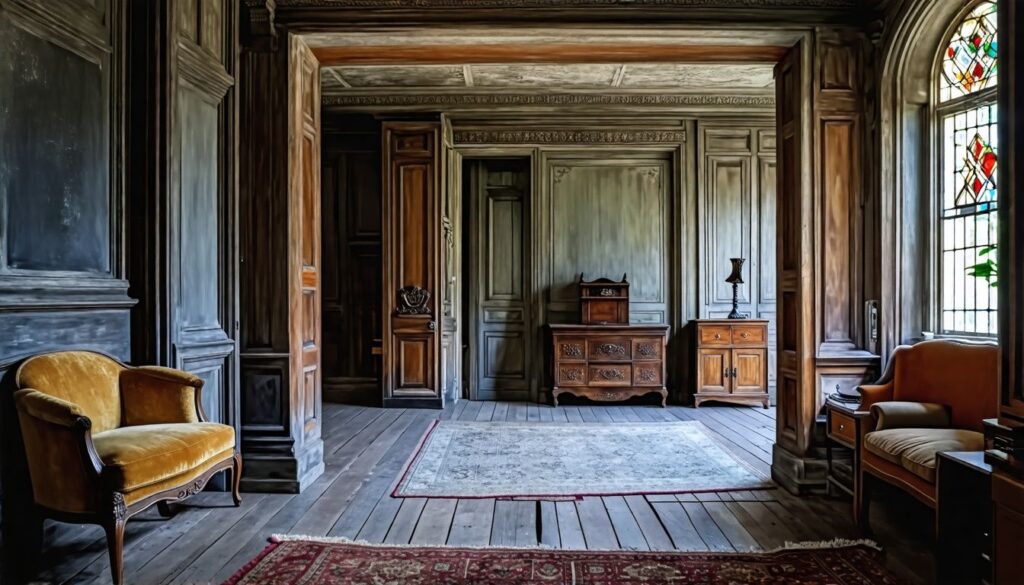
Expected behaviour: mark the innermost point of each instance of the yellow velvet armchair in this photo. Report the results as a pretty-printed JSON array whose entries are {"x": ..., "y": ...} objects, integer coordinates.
[{"x": 105, "y": 441}]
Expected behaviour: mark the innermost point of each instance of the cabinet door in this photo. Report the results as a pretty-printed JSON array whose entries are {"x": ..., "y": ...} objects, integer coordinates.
[
  {"x": 750, "y": 372},
  {"x": 713, "y": 370}
]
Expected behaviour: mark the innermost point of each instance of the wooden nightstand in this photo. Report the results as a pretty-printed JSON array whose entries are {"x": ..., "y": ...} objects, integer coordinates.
[{"x": 845, "y": 427}]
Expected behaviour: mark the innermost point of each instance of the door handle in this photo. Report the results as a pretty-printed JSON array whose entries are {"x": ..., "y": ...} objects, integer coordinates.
[{"x": 432, "y": 325}]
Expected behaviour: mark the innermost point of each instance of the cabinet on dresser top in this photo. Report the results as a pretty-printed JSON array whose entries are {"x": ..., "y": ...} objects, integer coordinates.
[
  {"x": 608, "y": 362},
  {"x": 732, "y": 361}
]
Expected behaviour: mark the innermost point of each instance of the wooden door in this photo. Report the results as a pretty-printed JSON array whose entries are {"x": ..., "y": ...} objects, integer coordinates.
[
  {"x": 748, "y": 371},
  {"x": 500, "y": 347},
  {"x": 713, "y": 370},
  {"x": 413, "y": 264},
  {"x": 304, "y": 239}
]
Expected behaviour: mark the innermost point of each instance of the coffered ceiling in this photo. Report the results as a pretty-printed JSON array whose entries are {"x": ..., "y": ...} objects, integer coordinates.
[{"x": 548, "y": 77}]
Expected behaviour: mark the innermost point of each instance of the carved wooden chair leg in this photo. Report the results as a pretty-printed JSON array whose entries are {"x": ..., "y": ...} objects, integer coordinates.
[
  {"x": 114, "y": 527},
  {"x": 236, "y": 480},
  {"x": 165, "y": 509}
]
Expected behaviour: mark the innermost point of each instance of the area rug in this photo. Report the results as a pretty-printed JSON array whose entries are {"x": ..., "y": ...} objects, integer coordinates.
[
  {"x": 306, "y": 561},
  {"x": 461, "y": 459}
]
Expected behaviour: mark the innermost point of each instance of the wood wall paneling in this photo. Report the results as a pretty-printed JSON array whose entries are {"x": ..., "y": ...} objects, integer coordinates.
[
  {"x": 63, "y": 282},
  {"x": 736, "y": 218},
  {"x": 281, "y": 267},
  {"x": 351, "y": 261},
  {"x": 412, "y": 259}
]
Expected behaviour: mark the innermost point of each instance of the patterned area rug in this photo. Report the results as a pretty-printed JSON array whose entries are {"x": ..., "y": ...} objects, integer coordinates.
[
  {"x": 325, "y": 562},
  {"x": 459, "y": 459}
]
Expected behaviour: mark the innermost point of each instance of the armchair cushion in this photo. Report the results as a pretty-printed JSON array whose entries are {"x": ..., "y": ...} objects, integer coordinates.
[
  {"x": 915, "y": 449},
  {"x": 87, "y": 379},
  {"x": 139, "y": 456},
  {"x": 920, "y": 415},
  {"x": 154, "y": 395}
]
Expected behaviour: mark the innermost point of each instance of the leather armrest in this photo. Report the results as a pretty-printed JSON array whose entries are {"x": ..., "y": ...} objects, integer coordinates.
[
  {"x": 873, "y": 393},
  {"x": 50, "y": 408},
  {"x": 915, "y": 415},
  {"x": 156, "y": 395}
]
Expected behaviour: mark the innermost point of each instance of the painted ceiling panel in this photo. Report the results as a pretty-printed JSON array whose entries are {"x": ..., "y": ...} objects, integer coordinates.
[
  {"x": 401, "y": 76},
  {"x": 697, "y": 75},
  {"x": 544, "y": 76}
]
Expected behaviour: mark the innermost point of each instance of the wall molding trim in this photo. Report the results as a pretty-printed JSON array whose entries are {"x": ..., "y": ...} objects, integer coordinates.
[
  {"x": 566, "y": 136},
  {"x": 559, "y": 100},
  {"x": 459, "y": 4}
]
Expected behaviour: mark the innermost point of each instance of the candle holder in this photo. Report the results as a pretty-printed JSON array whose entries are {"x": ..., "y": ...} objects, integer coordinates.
[{"x": 736, "y": 279}]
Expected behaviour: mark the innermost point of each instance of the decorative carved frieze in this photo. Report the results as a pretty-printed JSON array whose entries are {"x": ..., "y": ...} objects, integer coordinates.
[
  {"x": 647, "y": 350},
  {"x": 647, "y": 375},
  {"x": 486, "y": 100},
  {"x": 611, "y": 374},
  {"x": 544, "y": 136},
  {"x": 611, "y": 350},
  {"x": 572, "y": 350}
]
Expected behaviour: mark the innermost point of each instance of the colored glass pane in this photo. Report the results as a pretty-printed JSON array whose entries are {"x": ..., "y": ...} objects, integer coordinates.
[{"x": 971, "y": 60}]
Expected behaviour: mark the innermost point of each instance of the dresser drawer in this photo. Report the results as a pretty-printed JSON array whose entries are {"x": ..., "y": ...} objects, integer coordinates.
[
  {"x": 715, "y": 335},
  {"x": 610, "y": 375},
  {"x": 842, "y": 426},
  {"x": 567, "y": 350},
  {"x": 609, "y": 348},
  {"x": 572, "y": 375},
  {"x": 748, "y": 334},
  {"x": 646, "y": 348},
  {"x": 647, "y": 374}
]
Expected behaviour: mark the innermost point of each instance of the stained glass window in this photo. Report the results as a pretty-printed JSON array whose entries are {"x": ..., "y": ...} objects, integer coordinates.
[
  {"x": 971, "y": 60},
  {"x": 969, "y": 196}
]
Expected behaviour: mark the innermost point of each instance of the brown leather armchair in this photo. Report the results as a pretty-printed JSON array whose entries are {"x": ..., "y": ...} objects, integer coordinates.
[
  {"x": 105, "y": 441},
  {"x": 932, "y": 397}
]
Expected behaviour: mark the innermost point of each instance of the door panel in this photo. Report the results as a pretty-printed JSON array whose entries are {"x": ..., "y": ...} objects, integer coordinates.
[
  {"x": 712, "y": 369},
  {"x": 502, "y": 346},
  {"x": 749, "y": 367}
]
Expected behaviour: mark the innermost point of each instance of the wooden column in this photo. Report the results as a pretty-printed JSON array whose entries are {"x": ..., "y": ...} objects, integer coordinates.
[
  {"x": 820, "y": 106},
  {"x": 280, "y": 275},
  {"x": 1007, "y": 456},
  {"x": 411, "y": 251}
]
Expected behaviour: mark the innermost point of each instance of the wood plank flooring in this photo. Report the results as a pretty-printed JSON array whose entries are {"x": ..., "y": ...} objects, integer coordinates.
[{"x": 365, "y": 449}]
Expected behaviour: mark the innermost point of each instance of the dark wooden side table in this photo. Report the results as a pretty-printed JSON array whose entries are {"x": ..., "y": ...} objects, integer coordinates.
[
  {"x": 963, "y": 517},
  {"x": 846, "y": 426}
]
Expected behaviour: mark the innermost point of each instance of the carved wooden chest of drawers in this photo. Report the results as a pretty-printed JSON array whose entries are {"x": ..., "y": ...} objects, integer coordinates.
[
  {"x": 608, "y": 362},
  {"x": 732, "y": 361}
]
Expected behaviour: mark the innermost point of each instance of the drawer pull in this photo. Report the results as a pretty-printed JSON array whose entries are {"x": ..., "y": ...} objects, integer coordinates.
[
  {"x": 842, "y": 427},
  {"x": 718, "y": 335},
  {"x": 744, "y": 335}
]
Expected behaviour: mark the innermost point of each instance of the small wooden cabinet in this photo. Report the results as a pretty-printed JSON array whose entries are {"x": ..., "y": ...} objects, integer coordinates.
[
  {"x": 732, "y": 361},
  {"x": 608, "y": 362}
]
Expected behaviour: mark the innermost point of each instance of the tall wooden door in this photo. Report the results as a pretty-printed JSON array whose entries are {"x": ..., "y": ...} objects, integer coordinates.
[
  {"x": 304, "y": 237},
  {"x": 500, "y": 329},
  {"x": 413, "y": 266}
]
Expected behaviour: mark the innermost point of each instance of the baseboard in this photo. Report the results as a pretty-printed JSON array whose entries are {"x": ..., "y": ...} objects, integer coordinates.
[{"x": 799, "y": 475}]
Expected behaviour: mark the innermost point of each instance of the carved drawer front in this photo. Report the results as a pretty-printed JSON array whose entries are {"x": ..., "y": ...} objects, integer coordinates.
[
  {"x": 842, "y": 426},
  {"x": 748, "y": 335},
  {"x": 715, "y": 335},
  {"x": 570, "y": 350},
  {"x": 647, "y": 348},
  {"x": 572, "y": 375},
  {"x": 610, "y": 375},
  {"x": 609, "y": 348},
  {"x": 647, "y": 374}
]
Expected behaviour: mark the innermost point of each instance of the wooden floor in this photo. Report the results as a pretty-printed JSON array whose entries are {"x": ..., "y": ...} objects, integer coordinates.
[{"x": 365, "y": 448}]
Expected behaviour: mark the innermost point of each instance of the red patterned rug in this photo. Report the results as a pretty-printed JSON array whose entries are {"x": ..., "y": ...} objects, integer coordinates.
[{"x": 326, "y": 562}]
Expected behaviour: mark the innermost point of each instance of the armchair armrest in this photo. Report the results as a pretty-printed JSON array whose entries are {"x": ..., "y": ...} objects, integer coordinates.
[
  {"x": 917, "y": 415},
  {"x": 873, "y": 393},
  {"x": 156, "y": 395},
  {"x": 62, "y": 459}
]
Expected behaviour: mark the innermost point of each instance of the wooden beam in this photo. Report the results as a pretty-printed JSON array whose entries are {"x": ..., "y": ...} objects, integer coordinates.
[{"x": 549, "y": 53}]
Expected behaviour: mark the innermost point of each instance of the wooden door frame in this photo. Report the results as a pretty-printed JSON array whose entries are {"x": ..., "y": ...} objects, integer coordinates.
[{"x": 472, "y": 302}]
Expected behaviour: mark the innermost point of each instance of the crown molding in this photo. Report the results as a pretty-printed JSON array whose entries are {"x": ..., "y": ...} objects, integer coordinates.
[
  {"x": 567, "y": 136},
  {"x": 560, "y": 101},
  {"x": 564, "y": 4}
]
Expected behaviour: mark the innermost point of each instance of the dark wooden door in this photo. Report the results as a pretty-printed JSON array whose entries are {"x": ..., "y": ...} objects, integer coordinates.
[
  {"x": 411, "y": 251},
  {"x": 499, "y": 303}
]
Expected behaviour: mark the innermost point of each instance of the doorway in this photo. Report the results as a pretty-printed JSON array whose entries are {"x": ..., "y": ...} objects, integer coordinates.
[{"x": 498, "y": 340}]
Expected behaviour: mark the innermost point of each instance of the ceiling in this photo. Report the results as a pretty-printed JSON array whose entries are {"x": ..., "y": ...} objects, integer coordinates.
[{"x": 340, "y": 80}]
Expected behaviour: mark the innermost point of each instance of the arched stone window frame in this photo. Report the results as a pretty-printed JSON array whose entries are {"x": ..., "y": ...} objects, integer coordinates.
[{"x": 909, "y": 60}]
